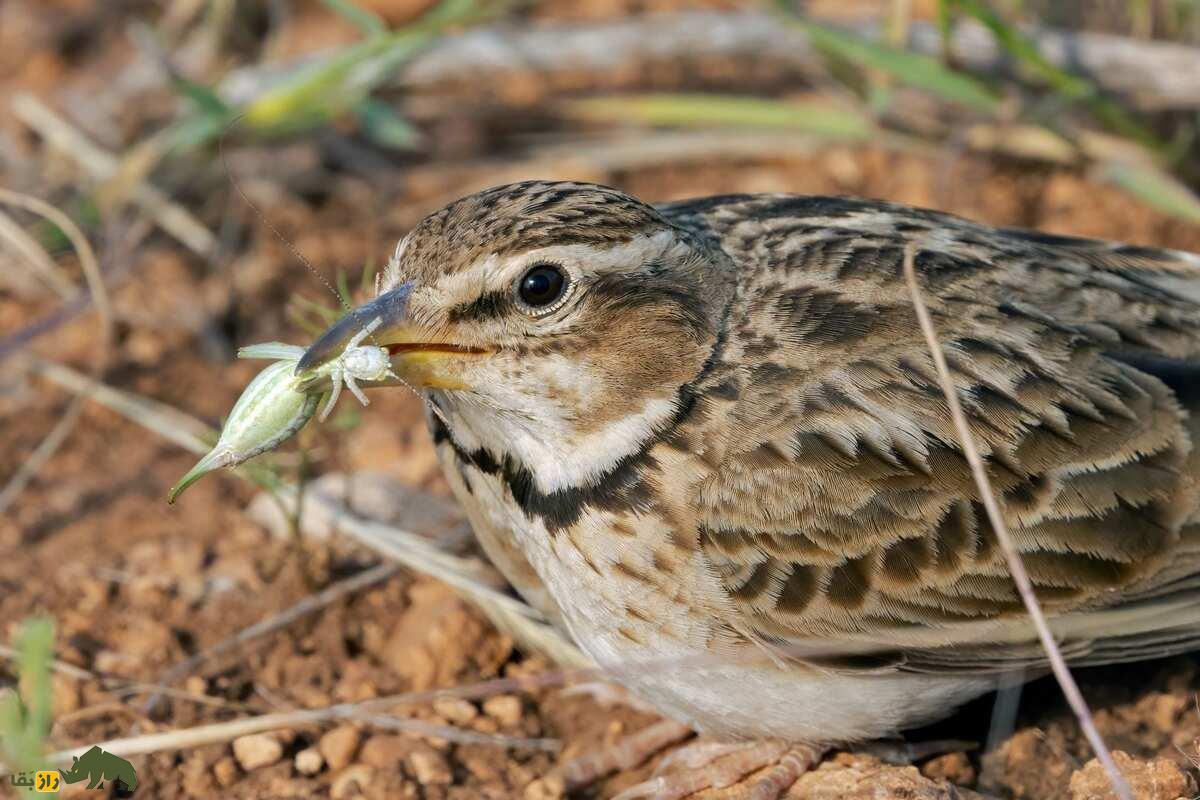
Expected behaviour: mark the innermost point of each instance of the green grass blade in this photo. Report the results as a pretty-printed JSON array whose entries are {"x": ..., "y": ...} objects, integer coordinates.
[
  {"x": 385, "y": 127},
  {"x": 913, "y": 69},
  {"x": 1154, "y": 187},
  {"x": 708, "y": 110},
  {"x": 25, "y": 716},
  {"x": 340, "y": 82},
  {"x": 1072, "y": 87}
]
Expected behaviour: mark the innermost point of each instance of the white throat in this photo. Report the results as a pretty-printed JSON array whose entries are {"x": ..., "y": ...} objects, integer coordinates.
[{"x": 555, "y": 452}]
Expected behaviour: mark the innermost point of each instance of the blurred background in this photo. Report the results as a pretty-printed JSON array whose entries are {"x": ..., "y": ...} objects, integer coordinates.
[{"x": 164, "y": 169}]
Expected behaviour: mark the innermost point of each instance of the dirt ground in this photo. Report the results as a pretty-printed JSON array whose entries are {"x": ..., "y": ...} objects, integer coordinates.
[{"x": 134, "y": 585}]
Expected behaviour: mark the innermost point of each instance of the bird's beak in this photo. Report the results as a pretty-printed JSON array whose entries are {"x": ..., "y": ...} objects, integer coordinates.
[{"x": 419, "y": 357}]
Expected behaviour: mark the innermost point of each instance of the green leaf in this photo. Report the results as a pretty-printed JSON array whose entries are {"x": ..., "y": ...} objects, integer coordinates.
[
  {"x": 366, "y": 21},
  {"x": 1153, "y": 187},
  {"x": 815, "y": 117},
  {"x": 914, "y": 69}
]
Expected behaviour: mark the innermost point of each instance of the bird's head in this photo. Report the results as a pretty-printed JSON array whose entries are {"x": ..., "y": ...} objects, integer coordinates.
[{"x": 554, "y": 323}]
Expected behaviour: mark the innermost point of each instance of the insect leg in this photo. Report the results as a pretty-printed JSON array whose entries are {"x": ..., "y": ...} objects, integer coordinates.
[
  {"x": 336, "y": 377},
  {"x": 352, "y": 385}
]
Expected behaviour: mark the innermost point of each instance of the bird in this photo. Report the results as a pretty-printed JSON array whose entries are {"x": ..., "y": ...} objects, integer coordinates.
[{"x": 710, "y": 432}]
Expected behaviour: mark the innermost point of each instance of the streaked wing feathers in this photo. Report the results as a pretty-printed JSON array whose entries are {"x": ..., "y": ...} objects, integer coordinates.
[{"x": 837, "y": 503}]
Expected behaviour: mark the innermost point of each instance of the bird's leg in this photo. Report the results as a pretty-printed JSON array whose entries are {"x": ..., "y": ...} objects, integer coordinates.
[
  {"x": 721, "y": 767},
  {"x": 710, "y": 764},
  {"x": 624, "y": 754},
  {"x": 698, "y": 753}
]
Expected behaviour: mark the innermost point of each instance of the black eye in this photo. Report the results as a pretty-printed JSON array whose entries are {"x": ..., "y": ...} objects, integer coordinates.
[{"x": 542, "y": 285}]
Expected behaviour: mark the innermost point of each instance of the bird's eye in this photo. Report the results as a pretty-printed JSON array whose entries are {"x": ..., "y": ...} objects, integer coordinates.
[{"x": 542, "y": 286}]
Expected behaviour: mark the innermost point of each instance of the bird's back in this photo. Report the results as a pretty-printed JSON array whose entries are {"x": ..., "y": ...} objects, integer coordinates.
[{"x": 836, "y": 502}]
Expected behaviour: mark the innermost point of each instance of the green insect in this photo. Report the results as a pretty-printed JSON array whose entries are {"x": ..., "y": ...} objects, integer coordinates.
[{"x": 274, "y": 407}]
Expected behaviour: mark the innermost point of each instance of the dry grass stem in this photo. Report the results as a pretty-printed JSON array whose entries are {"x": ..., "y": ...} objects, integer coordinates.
[
  {"x": 275, "y": 622},
  {"x": 216, "y": 733},
  {"x": 416, "y": 552},
  {"x": 35, "y": 257},
  {"x": 101, "y": 165},
  {"x": 122, "y": 687},
  {"x": 95, "y": 282},
  {"x": 1015, "y": 565},
  {"x": 167, "y": 421}
]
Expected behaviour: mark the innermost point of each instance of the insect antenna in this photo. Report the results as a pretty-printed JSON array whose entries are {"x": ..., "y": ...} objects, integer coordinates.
[{"x": 263, "y": 217}]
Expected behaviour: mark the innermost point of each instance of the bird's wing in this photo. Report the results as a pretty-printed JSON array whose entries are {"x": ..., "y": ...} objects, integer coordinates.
[{"x": 837, "y": 509}]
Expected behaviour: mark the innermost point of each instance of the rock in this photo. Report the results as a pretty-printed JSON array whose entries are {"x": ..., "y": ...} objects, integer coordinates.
[
  {"x": 386, "y": 751},
  {"x": 455, "y": 710},
  {"x": 353, "y": 781},
  {"x": 65, "y": 694},
  {"x": 1157, "y": 779},
  {"x": 853, "y": 777},
  {"x": 1026, "y": 765},
  {"x": 429, "y": 766},
  {"x": 309, "y": 761},
  {"x": 257, "y": 750},
  {"x": 953, "y": 767},
  {"x": 225, "y": 772},
  {"x": 551, "y": 787},
  {"x": 366, "y": 495},
  {"x": 504, "y": 708},
  {"x": 1164, "y": 711},
  {"x": 339, "y": 745}
]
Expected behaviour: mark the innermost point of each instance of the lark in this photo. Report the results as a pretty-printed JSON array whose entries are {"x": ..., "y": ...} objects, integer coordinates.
[{"x": 710, "y": 434}]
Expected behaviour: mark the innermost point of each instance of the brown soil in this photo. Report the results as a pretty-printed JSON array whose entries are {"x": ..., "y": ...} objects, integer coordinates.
[{"x": 134, "y": 586}]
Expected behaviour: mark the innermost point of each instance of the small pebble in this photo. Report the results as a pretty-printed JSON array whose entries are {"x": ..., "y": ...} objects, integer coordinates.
[
  {"x": 504, "y": 708},
  {"x": 385, "y": 750},
  {"x": 339, "y": 745},
  {"x": 551, "y": 787},
  {"x": 485, "y": 725},
  {"x": 226, "y": 772},
  {"x": 429, "y": 767},
  {"x": 953, "y": 767},
  {"x": 65, "y": 694},
  {"x": 309, "y": 761},
  {"x": 455, "y": 710},
  {"x": 1148, "y": 778},
  {"x": 353, "y": 781},
  {"x": 196, "y": 685},
  {"x": 257, "y": 750}
]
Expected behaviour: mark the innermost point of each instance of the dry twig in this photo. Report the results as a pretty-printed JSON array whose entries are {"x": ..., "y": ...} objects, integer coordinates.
[
  {"x": 314, "y": 602},
  {"x": 1015, "y": 565},
  {"x": 39, "y": 262},
  {"x": 103, "y": 166},
  {"x": 95, "y": 281},
  {"x": 201, "y": 735}
]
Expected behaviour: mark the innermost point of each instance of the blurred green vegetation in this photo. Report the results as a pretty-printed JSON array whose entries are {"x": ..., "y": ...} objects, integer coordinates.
[
  {"x": 335, "y": 84},
  {"x": 25, "y": 713}
]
